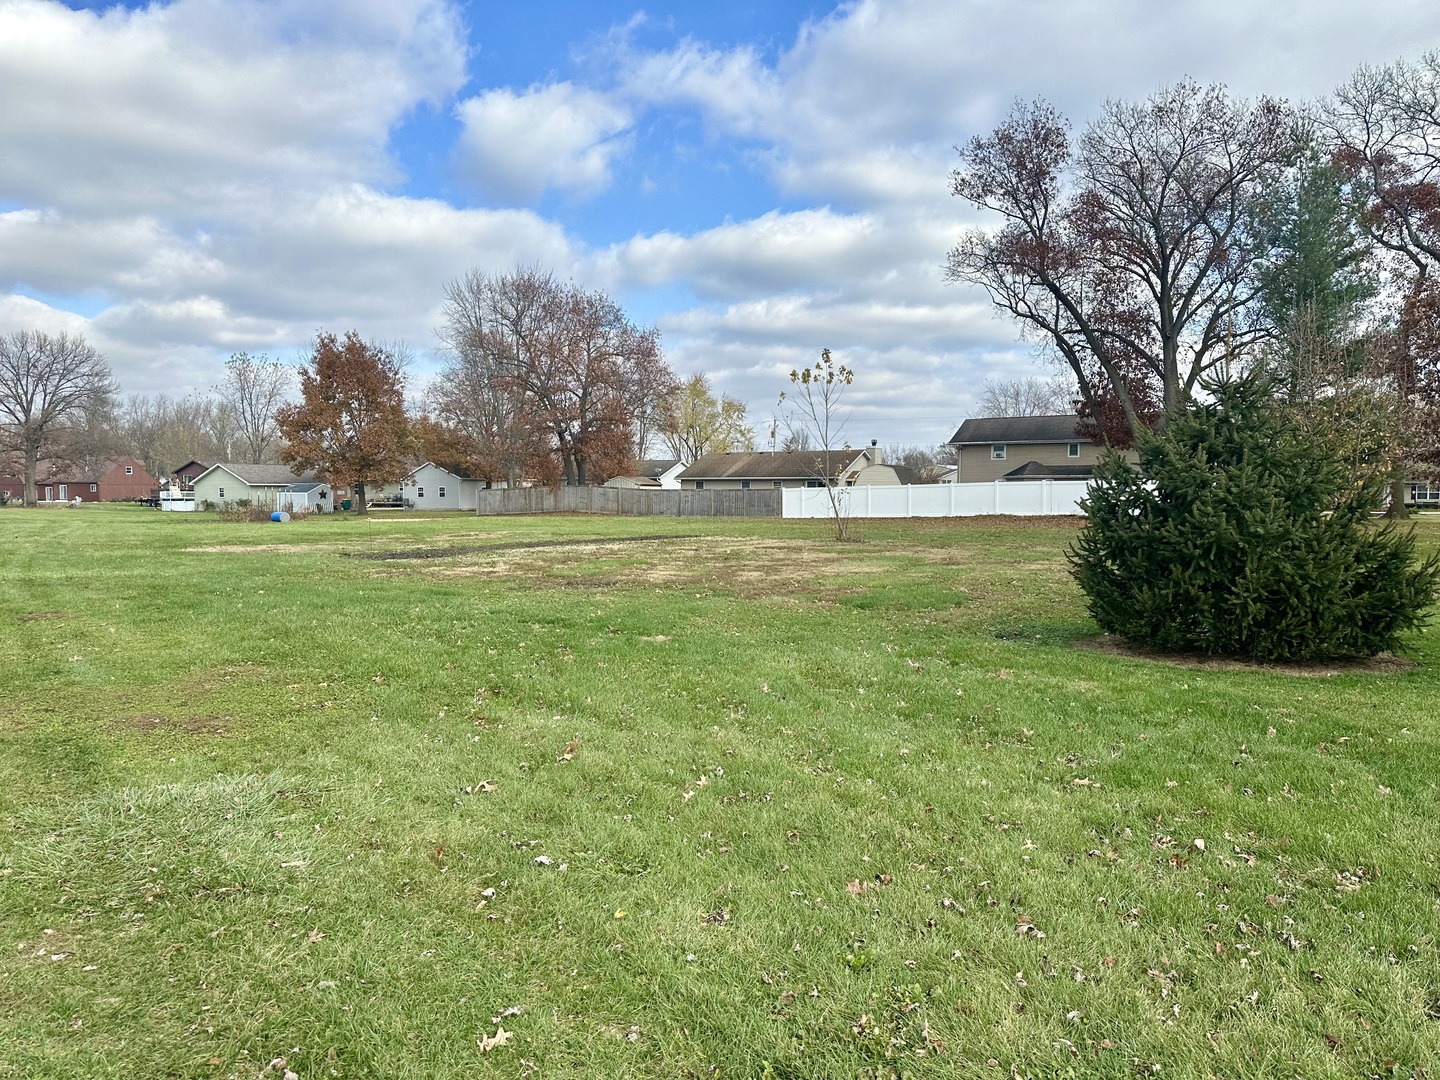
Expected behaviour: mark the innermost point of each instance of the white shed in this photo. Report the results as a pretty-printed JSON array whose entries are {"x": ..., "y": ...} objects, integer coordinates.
[{"x": 316, "y": 498}]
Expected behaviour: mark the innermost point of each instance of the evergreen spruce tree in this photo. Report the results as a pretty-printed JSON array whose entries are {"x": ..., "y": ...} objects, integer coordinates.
[{"x": 1244, "y": 533}]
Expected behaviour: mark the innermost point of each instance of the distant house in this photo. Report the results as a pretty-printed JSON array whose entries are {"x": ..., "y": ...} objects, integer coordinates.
[
  {"x": 433, "y": 487},
  {"x": 230, "y": 482},
  {"x": 662, "y": 474},
  {"x": 115, "y": 480},
  {"x": 1023, "y": 448},
  {"x": 183, "y": 478},
  {"x": 880, "y": 473},
  {"x": 778, "y": 469}
]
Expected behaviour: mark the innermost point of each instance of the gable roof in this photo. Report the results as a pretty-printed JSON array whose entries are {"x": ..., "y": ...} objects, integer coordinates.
[
  {"x": 771, "y": 465},
  {"x": 654, "y": 468},
  {"x": 258, "y": 475},
  {"x": 1033, "y": 470},
  {"x": 1018, "y": 429},
  {"x": 202, "y": 466}
]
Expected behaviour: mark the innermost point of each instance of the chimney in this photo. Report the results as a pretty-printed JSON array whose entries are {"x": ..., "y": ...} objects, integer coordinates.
[{"x": 877, "y": 455}]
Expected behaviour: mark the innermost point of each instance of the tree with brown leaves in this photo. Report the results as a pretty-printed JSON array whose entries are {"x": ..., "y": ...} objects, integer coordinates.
[
  {"x": 51, "y": 387},
  {"x": 1130, "y": 253},
  {"x": 566, "y": 359},
  {"x": 350, "y": 424}
]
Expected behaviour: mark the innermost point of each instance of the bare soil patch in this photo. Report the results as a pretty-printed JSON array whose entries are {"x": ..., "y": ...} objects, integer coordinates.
[
  {"x": 529, "y": 545},
  {"x": 149, "y": 723},
  {"x": 750, "y": 568},
  {"x": 1383, "y": 664},
  {"x": 248, "y": 549},
  {"x": 42, "y": 616}
]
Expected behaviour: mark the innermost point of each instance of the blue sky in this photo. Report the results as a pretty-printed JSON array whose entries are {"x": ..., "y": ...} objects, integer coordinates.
[{"x": 188, "y": 178}]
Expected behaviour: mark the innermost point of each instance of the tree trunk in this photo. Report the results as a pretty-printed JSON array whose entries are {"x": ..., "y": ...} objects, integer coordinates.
[
  {"x": 360, "y": 507},
  {"x": 32, "y": 462},
  {"x": 1397, "y": 508}
]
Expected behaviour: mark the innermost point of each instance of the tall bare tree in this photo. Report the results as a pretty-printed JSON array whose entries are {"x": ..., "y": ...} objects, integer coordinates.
[
  {"x": 1027, "y": 396},
  {"x": 50, "y": 385},
  {"x": 254, "y": 388},
  {"x": 1130, "y": 253},
  {"x": 817, "y": 392}
]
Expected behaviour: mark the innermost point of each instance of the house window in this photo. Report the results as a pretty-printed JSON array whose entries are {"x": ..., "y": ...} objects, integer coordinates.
[
  {"x": 1425, "y": 491},
  {"x": 699, "y": 484},
  {"x": 776, "y": 483},
  {"x": 129, "y": 470},
  {"x": 419, "y": 493},
  {"x": 745, "y": 484},
  {"x": 442, "y": 493},
  {"x": 92, "y": 487},
  {"x": 187, "y": 479},
  {"x": 814, "y": 483},
  {"x": 64, "y": 492},
  {"x": 222, "y": 493},
  {"x": 997, "y": 452},
  {"x": 1073, "y": 450}
]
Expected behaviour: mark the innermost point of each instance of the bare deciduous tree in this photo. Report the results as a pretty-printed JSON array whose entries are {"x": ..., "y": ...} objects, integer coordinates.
[
  {"x": 1028, "y": 396},
  {"x": 49, "y": 384},
  {"x": 253, "y": 389},
  {"x": 1130, "y": 254}
]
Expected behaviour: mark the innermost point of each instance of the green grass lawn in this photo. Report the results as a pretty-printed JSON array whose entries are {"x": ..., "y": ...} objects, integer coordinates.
[{"x": 680, "y": 798}]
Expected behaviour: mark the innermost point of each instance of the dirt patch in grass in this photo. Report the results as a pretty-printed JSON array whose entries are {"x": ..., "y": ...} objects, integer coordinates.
[
  {"x": 529, "y": 545},
  {"x": 41, "y": 616},
  {"x": 248, "y": 549},
  {"x": 149, "y": 723},
  {"x": 749, "y": 568},
  {"x": 1383, "y": 664}
]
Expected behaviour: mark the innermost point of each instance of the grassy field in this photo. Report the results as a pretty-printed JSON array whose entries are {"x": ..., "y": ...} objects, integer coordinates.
[{"x": 446, "y": 797}]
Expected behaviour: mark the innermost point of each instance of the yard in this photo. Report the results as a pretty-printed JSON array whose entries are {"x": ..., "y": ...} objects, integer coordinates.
[{"x": 432, "y": 796}]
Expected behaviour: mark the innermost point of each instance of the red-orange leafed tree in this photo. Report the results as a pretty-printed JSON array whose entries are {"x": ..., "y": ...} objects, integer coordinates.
[{"x": 350, "y": 424}]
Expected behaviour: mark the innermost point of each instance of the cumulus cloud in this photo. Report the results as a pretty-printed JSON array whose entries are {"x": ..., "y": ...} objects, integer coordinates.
[{"x": 514, "y": 147}]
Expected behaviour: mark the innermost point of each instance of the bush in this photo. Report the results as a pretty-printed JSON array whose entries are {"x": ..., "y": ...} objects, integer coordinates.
[{"x": 1242, "y": 534}]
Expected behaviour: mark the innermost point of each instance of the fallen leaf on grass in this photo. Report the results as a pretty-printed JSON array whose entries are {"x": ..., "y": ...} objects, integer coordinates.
[
  {"x": 569, "y": 752},
  {"x": 490, "y": 1042},
  {"x": 485, "y": 787},
  {"x": 315, "y": 935}
]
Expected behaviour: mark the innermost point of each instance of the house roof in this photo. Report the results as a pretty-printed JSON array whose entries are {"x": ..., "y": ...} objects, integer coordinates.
[
  {"x": 770, "y": 465},
  {"x": 457, "y": 471},
  {"x": 258, "y": 475},
  {"x": 200, "y": 467},
  {"x": 306, "y": 486},
  {"x": 1033, "y": 470},
  {"x": 1017, "y": 429},
  {"x": 654, "y": 468}
]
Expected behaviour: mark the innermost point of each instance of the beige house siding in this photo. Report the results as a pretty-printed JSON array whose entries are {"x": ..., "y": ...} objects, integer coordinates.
[
  {"x": 736, "y": 485},
  {"x": 977, "y": 466},
  {"x": 209, "y": 487}
]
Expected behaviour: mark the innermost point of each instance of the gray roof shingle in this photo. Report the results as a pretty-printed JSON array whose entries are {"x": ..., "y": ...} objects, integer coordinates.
[
  {"x": 1018, "y": 429},
  {"x": 768, "y": 465},
  {"x": 263, "y": 475}
]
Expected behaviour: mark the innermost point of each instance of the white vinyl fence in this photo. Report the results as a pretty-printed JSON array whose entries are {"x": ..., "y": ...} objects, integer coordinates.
[{"x": 1022, "y": 497}]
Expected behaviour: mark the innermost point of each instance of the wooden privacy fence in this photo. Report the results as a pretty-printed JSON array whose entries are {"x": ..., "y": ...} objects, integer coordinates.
[{"x": 630, "y": 502}]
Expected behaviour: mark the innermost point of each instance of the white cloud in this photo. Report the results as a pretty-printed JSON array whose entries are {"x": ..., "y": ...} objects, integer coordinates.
[
  {"x": 191, "y": 108},
  {"x": 516, "y": 146}
]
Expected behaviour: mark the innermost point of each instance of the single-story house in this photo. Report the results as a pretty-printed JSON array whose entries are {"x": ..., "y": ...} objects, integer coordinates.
[
  {"x": 306, "y": 495},
  {"x": 230, "y": 482},
  {"x": 778, "y": 469},
  {"x": 1023, "y": 448},
  {"x": 662, "y": 474},
  {"x": 880, "y": 473},
  {"x": 433, "y": 487},
  {"x": 116, "y": 480}
]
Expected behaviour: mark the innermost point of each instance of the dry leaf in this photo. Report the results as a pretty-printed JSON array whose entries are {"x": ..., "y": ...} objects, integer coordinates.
[
  {"x": 315, "y": 935},
  {"x": 854, "y": 888},
  {"x": 490, "y": 1042},
  {"x": 569, "y": 752}
]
